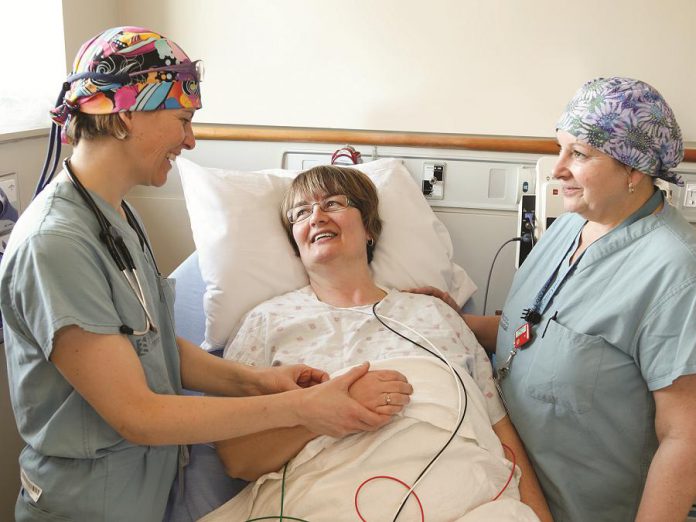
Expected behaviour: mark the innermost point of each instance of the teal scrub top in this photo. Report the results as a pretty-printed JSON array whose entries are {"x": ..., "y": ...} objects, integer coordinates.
[
  {"x": 622, "y": 325},
  {"x": 55, "y": 273}
]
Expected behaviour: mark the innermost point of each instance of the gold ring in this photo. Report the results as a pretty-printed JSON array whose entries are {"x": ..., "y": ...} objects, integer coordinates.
[{"x": 388, "y": 399}]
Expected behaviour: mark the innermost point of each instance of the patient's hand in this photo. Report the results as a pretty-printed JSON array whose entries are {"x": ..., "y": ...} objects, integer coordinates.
[
  {"x": 382, "y": 391},
  {"x": 283, "y": 378},
  {"x": 436, "y": 292}
]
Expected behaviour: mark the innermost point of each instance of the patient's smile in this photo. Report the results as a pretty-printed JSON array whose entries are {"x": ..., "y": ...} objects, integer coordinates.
[{"x": 323, "y": 235}]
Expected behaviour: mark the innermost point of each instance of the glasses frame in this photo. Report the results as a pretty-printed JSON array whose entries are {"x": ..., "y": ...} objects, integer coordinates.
[{"x": 321, "y": 203}]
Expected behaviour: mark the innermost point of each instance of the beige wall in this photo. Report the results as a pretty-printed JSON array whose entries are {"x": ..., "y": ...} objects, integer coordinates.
[{"x": 485, "y": 67}]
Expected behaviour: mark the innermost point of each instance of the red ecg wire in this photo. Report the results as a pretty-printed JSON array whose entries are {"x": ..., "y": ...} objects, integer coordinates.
[
  {"x": 357, "y": 492},
  {"x": 420, "y": 506},
  {"x": 512, "y": 472}
]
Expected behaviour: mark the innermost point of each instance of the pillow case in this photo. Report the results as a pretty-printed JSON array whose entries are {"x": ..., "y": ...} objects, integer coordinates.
[{"x": 245, "y": 257}]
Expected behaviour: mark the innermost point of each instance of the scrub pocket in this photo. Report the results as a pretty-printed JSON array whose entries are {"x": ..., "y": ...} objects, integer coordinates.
[{"x": 565, "y": 367}]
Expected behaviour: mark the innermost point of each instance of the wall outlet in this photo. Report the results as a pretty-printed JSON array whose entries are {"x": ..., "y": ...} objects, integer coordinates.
[
  {"x": 433, "y": 185},
  {"x": 690, "y": 195},
  {"x": 9, "y": 185}
]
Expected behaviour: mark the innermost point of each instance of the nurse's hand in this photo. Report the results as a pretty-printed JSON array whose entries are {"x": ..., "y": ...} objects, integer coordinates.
[
  {"x": 328, "y": 409},
  {"x": 284, "y": 378},
  {"x": 436, "y": 292}
]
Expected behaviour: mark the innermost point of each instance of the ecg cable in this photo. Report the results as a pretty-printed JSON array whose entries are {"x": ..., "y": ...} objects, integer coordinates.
[
  {"x": 411, "y": 490},
  {"x": 527, "y": 237},
  {"x": 441, "y": 357}
]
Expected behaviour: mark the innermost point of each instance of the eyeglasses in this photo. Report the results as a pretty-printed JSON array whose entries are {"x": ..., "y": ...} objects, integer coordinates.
[
  {"x": 335, "y": 203},
  {"x": 193, "y": 70}
]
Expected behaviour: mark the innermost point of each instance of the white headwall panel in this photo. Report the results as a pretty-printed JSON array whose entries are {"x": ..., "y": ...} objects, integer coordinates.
[{"x": 500, "y": 67}]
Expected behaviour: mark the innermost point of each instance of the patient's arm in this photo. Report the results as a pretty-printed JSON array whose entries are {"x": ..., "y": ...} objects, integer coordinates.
[
  {"x": 251, "y": 456},
  {"x": 485, "y": 328},
  {"x": 530, "y": 490}
]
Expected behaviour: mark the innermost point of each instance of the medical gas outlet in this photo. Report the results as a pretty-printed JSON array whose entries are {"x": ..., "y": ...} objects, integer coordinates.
[
  {"x": 433, "y": 185},
  {"x": 690, "y": 195}
]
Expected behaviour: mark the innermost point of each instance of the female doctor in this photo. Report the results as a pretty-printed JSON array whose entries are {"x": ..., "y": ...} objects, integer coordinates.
[
  {"x": 95, "y": 368},
  {"x": 596, "y": 346}
]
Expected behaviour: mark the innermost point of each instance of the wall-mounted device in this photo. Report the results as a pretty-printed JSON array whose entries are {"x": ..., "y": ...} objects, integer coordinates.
[
  {"x": 537, "y": 212},
  {"x": 525, "y": 227},
  {"x": 433, "y": 185},
  {"x": 549, "y": 201}
]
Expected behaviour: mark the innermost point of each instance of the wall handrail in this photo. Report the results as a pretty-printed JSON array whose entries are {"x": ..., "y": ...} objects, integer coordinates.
[{"x": 494, "y": 143}]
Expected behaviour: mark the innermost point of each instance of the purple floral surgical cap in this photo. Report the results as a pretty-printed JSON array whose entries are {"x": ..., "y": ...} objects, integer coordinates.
[{"x": 628, "y": 120}]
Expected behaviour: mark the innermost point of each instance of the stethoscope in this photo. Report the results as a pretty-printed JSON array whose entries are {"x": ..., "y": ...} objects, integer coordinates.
[{"x": 110, "y": 236}]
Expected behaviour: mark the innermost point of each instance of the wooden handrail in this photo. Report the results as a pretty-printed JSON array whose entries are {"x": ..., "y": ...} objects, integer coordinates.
[{"x": 532, "y": 145}]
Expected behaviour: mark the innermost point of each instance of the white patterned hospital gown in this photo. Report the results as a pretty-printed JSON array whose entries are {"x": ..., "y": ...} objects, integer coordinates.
[{"x": 298, "y": 328}]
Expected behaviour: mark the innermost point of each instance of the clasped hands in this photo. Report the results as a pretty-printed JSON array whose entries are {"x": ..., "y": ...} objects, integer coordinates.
[{"x": 357, "y": 400}]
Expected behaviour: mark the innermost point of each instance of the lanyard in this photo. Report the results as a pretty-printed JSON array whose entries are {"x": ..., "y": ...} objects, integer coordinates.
[
  {"x": 558, "y": 277},
  {"x": 564, "y": 270}
]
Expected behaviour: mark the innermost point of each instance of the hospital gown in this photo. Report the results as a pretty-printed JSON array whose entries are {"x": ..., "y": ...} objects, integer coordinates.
[
  {"x": 622, "y": 326},
  {"x": 322, "y": 479},
  {"x": 56, "y": 273}
]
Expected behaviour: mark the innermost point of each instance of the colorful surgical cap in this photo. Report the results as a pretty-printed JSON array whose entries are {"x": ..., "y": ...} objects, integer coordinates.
[
  {"x": 105, "y": 75},
  {"x": 628, "y": 120}
]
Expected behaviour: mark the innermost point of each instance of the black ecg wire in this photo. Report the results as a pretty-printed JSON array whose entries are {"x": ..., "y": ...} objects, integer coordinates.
[{"x": 461, "y": 420}]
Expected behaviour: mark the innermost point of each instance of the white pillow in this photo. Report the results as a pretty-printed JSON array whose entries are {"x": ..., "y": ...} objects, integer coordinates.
[{"x": 245, "y": 256}]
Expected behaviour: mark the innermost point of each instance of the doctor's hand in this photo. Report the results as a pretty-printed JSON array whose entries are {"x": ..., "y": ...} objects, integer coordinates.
[
  {"x": 382, "y": 391},
  {"x": 284, "y": 378},
  {"x": 328, "y": 409},
  {"x": 436, "y": 292}
]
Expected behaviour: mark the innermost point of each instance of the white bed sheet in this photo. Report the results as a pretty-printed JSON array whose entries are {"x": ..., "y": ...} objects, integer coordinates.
[{"x": 322, "y": 479}]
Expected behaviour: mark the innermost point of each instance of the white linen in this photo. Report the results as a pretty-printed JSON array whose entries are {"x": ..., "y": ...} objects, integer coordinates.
[
  {"x": 246, "y": 258},
  {"x": 322, "y": 479},
  {"x": 298, "y": 328}
]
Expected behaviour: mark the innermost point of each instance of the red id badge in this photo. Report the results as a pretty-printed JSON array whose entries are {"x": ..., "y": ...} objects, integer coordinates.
[{"x": 523, "y": 335}]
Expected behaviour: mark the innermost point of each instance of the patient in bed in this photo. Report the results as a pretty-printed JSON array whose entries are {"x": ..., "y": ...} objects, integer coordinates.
[{"x": 341, "y": 319}]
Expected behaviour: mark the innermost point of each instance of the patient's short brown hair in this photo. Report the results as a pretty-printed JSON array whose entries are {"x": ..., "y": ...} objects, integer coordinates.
[{"x": 328, "y": 180}]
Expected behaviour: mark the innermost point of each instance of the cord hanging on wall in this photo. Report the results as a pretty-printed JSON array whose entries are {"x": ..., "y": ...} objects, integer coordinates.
[{"x": 346, "y": 156}]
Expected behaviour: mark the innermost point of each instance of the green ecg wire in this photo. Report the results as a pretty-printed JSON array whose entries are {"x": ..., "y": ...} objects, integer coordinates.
[{"x": 280, "y": 517}]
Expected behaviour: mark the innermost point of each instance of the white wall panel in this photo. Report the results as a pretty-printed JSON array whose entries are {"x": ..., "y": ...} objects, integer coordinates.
[{"x": 500, "y": 67}]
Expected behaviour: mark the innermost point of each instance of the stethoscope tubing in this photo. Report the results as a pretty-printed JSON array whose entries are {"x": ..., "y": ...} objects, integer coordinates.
[{"x": 118, "y": 251}]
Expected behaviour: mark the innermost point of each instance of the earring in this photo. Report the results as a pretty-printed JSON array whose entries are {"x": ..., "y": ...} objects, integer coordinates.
[
  {"x": 370, "y": 242},
  {"x": 631, "y": 188}
]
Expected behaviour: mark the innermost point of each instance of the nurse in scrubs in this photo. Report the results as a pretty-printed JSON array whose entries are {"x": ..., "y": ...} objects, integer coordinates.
[
  {"x": 596, "y": 346},
  {"x": 94, "y": 365}
]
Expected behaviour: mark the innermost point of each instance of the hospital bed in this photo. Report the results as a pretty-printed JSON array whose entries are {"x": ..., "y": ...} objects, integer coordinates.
[{"x": 206, "y": 484}]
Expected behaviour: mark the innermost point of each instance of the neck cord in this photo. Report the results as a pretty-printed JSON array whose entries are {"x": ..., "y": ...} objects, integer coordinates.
[{"x": 541, "y": 301}]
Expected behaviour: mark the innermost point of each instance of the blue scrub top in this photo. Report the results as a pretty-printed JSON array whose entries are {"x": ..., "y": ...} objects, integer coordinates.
[
  {"x": 621, "y": 326},
  {"x": 57, "y": 273}
]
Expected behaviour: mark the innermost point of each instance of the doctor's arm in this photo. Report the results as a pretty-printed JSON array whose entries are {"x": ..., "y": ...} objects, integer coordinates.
[
  {"x": 107, "y": 373},
  {"x": 214, "y": 375},
  {"x": 251, "y": 456},
  {"x": 670, "y": 488},
  {"x": 530, "y": 490}
]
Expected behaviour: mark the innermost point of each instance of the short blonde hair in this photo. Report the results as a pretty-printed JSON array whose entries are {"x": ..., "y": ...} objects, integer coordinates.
[
  {"x": 89, "y": 126},
  {"x": 331, "y": 180}
]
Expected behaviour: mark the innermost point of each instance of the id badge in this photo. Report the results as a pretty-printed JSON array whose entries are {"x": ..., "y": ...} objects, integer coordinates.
[{"x": 523, "y": 335}]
